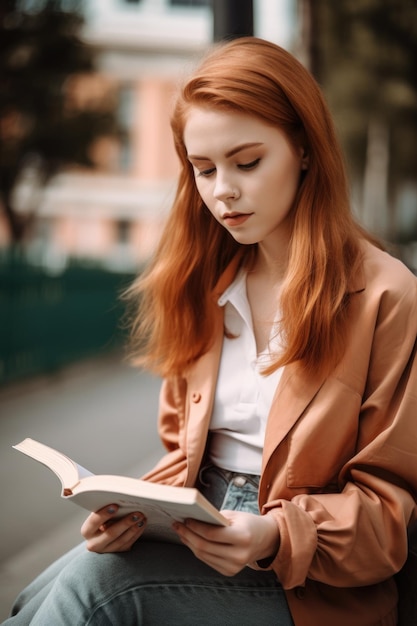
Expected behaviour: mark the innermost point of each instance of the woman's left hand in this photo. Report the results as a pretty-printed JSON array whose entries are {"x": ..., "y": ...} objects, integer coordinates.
[{"x": 228, "y": 549}]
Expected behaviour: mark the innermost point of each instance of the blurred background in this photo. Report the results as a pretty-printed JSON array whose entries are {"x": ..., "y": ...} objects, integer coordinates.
[
  {"x": 87, "y": 165},
  {"x": 87, "y": 175}
]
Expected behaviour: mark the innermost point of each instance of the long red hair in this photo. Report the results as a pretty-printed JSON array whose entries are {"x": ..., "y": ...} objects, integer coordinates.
[{"x": 174, "y": 322}]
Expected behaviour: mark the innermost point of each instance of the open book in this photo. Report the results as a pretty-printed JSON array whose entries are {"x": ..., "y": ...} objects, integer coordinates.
[{"x": 161, "y": 504}]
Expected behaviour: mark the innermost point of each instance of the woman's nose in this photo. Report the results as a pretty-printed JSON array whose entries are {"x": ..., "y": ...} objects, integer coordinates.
[{"x": 224, "y": 189}]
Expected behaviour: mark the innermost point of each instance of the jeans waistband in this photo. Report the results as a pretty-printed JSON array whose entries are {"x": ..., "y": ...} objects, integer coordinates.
[
  {"x": 239, "y": 479},
  {"x": 229, "y": 490}
]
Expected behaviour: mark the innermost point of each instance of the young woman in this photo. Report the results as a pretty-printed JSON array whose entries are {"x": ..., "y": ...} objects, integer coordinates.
[{"x": 286, "y": 340}]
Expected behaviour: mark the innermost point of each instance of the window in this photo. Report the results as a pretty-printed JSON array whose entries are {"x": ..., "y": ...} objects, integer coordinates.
[
  {"x": 190, "y": 3},
  {"x": 123, "y": 231},
  {"x": 124, "y": 116}
]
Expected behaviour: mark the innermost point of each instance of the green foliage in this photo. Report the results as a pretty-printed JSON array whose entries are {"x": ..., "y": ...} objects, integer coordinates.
[{"x": 366, "y": 56}]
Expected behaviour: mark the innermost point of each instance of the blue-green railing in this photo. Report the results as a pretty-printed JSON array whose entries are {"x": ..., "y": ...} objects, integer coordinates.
[{"x": 48, "y": 321}]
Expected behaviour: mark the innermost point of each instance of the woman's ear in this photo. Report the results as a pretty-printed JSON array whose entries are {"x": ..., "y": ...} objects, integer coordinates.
[{"x": 305, "y": 160}]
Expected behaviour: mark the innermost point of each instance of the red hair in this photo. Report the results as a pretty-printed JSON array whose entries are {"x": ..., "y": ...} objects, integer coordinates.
[{"x": 175, "y": 321}]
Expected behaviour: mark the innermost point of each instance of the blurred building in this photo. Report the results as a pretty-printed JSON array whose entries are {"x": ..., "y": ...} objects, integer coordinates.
[{"x": 113, "y": 214}]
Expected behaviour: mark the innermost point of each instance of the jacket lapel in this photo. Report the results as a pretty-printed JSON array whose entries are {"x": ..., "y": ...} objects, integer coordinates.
[
  {"x": 293, "y": 395},
  {"x": 296, "y": 390}
]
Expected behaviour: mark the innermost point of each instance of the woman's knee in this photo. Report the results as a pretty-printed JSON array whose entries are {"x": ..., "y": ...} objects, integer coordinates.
[{"x": 88, "y": 570}]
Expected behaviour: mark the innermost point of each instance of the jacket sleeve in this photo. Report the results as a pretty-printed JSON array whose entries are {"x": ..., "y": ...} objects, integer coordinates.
[
  {"x": 172, "y": 467},
  {"x": 358, "y": 535}
]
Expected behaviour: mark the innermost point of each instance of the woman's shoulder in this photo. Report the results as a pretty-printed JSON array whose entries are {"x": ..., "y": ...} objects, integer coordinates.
[
  {"x": 389, "y": 288},
  {"x": 382, "y": 268}
]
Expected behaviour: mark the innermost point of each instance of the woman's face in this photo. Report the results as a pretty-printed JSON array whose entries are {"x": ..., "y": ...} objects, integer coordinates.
[{"x": 246, "y": 172}]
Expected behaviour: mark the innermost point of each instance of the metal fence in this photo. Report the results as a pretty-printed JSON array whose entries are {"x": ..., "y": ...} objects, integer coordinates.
[{"x": 48, "y": 321}]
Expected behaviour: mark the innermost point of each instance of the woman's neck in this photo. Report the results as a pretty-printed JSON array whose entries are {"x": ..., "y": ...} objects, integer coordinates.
[
  {"x": 271, "y": 265},
  {"x": 263, "y": 287}
]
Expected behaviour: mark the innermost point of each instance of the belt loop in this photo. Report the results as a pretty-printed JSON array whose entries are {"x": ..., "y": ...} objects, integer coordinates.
[{"x": 201, "y": 472}]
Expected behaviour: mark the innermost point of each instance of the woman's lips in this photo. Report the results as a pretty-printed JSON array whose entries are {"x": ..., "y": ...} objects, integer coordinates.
[{"x": 236, "y": 219}]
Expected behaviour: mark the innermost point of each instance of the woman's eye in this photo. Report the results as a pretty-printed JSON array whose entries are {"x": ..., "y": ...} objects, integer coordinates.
[
  {"x": 249, "y": 166},
  {"x": 207, "y": 172}
]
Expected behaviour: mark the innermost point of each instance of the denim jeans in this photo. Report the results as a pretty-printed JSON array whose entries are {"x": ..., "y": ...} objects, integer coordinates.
[{"x": 156, "y": 583}]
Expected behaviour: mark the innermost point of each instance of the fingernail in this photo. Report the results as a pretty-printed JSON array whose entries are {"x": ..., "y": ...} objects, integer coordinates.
[
  {"x": 140, "y": 524},
  {"x": 111, "y": 510},
  {"x": 135, "y": 518}
]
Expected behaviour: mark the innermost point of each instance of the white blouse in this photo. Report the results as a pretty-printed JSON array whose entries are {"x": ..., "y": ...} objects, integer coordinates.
[{"x": 243, "y": 395}]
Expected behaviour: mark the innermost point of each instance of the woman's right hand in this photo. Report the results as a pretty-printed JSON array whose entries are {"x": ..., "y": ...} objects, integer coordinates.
[{"x": 103, "y": 533}]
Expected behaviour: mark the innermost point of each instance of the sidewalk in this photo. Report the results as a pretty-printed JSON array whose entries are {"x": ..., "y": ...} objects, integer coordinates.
[{"x": 102, "y": 413}]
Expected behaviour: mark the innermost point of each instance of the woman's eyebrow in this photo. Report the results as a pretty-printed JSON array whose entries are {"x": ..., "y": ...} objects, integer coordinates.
[
  {"x": 228, "y": 154},
  {"x": 243, "y": 146}
]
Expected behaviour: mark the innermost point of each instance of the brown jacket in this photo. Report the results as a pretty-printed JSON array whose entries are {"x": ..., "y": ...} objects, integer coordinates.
[{"x": 340, "y": 455}]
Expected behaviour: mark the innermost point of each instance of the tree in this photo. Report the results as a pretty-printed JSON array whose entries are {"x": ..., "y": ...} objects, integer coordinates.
[
  {"x": 364, "y": 54},
  {"x": 40, "y": 131}
]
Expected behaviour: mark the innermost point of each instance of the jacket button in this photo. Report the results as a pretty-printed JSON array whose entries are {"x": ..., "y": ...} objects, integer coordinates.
[
  {"x": 300, "y": 592},
  {"x": 196, "y": 397}
]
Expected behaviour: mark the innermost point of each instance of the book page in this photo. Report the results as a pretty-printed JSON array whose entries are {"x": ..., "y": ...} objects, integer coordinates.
[{"x": 82, "y": 472}]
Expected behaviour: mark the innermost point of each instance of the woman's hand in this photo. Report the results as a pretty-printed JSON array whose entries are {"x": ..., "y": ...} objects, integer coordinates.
[
  {"x": 103, "y": 533},
  {"x": 229, "y": 549}
]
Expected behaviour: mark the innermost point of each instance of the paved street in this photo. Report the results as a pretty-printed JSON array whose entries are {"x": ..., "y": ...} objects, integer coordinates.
[{"x": 101, "y": 413}]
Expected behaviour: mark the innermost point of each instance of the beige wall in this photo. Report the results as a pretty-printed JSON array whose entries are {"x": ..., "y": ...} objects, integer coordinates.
[{"x": 156, "y": 158}]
